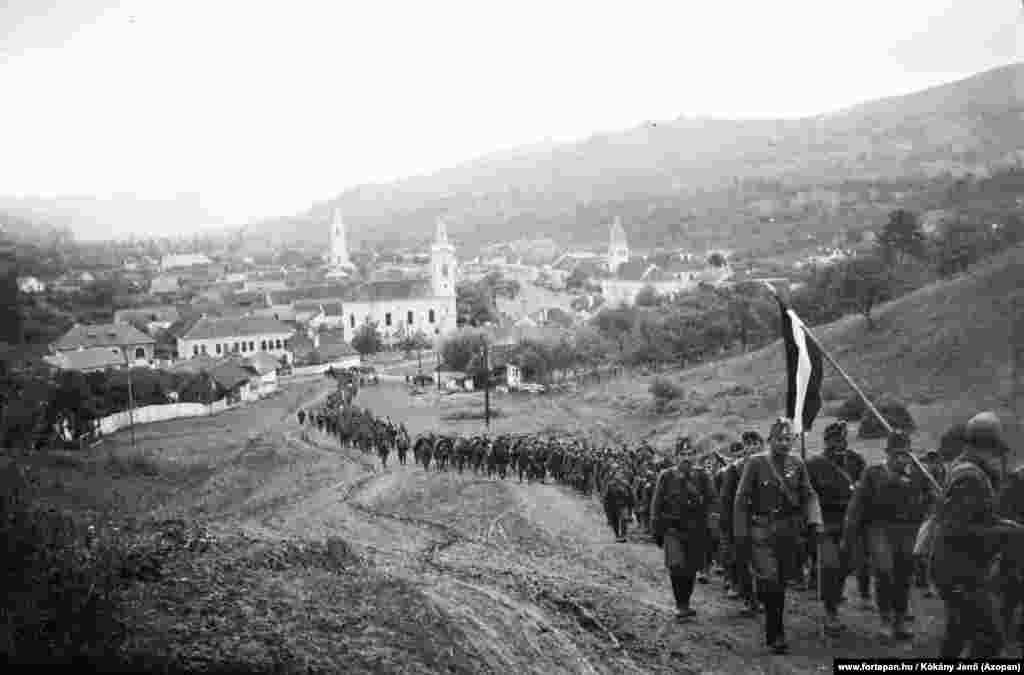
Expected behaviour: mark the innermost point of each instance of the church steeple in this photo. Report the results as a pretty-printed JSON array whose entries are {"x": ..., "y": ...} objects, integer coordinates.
[
  {"x": 337, "y": 252},
  {"x": 442, "y": 262}
]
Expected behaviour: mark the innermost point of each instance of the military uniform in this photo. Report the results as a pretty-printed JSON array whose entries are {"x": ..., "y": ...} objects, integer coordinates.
[
  {"x": 770, "y": 517},
  {"x": 834, "y": 475},
  {"x": 889, "y": 505},
  {"x": 740, "y": 578},
  {"x": 679, "y": 522},
  {"x": 1011, "y": 572},
  {"x": 618, "y": 500}
]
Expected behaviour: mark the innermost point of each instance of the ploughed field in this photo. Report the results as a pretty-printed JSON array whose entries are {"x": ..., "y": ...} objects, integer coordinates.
[{"x": 281, "y": 552}]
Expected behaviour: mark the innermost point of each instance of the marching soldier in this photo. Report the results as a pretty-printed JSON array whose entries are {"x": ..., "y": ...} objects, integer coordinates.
[
  {"x": 933, "y": 462},
  {"x": 834, "y": 475},
  {"x": 301, "y": 415},
  {"x": 683, "y": 495},
  {"x": 775, "y": 505},
  {"x": 741, "y": 582},
  {"x": 889, "y": 505},
  {"x": 967, "y": 542},
  {"x": 618, "y": 501}
]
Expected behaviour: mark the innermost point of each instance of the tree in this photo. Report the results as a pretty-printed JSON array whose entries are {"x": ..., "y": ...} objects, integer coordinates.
[
  {"x": 647, "y": 297},
  {"x": 901, "y": 236},
  {"x": 413, "y": 342},
  {"x": 459, "y": 348},
  {"x": 367, "y": 339},
  {"x": 716, "y": 259},
  {"x": 474, "y": 305},
  {"x": 577, "y": 279},
  {"x": 864, "y": 283},
  {"x": 960, "y": 245}
]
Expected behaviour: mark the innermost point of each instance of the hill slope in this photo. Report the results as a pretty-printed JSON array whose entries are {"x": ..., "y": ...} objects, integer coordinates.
[
  {"x": 687, "y": 179},
  {"x": 945, "y": 350}
]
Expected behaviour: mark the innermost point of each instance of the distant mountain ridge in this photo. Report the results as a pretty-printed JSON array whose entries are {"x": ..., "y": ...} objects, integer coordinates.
[{"x": 657, "y": 174}]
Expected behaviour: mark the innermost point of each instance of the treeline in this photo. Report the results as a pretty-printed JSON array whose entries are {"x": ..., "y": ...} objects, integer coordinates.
[{"x": 35, "y": 402}]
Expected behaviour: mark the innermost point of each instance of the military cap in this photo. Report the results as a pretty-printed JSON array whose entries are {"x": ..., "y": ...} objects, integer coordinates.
[
  {"x": 781, "y": 425},
  {"x": 752, "y": 437},
  {"x": 836, "y": 430}
]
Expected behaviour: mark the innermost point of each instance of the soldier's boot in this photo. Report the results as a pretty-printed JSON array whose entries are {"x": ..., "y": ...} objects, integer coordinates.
[
  {"x": 833, "y": 626},
  {"x": 682, "y": 590},
  {"x": 898, "y": 629},
  {"x": 775, "y": 638}
]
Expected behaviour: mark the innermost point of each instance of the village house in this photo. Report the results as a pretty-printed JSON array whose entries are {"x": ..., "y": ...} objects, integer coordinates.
[
  {"x": 136, "y": 347},
  {"x": 183, "y": 260},
  {"x": 165, "y": 284},
  {"x": 88, "y": 359},
  {"x": 155, "y": 318},
  {"x": 220, "y": 336},
  {"x": 30, "y": 285}
]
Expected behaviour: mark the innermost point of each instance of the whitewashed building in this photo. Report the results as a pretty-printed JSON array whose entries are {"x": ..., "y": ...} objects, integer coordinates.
[{"x": 220, "y": 336}]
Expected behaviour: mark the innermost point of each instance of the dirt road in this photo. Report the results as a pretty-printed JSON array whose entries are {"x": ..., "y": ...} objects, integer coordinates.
[{"x": 529, "y": 574}]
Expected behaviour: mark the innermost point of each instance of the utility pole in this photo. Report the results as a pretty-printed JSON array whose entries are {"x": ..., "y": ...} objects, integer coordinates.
[
  {"x": 438, "y": 355},
  {"x": 487, "y": 386},
  {"x": 131, "y": 402}
]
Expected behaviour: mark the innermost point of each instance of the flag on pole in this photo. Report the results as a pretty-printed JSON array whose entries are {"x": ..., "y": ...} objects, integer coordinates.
[{"x": 804, "y": 369}]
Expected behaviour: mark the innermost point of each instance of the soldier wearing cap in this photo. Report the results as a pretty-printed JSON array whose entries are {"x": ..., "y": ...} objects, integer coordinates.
[
  {"x": 834, "y": 475},
  {"x": 740, "y": 580},
  {"x": 618, "y": 500},
  {"x": 775, "y": 504},
  {"x": 888, "y": 506},
  {"x": 967, "y": 542},
  {"x": 682, "y": 498}
]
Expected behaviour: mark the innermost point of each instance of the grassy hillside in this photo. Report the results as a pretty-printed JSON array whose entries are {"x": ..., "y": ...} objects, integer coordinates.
[
  {"x": 944, "y": 350},
  {"x": 676, "y": 179}
]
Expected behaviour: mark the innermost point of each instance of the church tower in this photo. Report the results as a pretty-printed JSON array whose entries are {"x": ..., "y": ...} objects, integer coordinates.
[
  {"x": 442, "y": 263},
  {"x": 618, "y": 247},
  {"x": 337, "y": 250}
]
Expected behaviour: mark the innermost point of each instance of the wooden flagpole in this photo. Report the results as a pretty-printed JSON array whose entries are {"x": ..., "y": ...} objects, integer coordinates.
[{"x": 867, "y": 402}]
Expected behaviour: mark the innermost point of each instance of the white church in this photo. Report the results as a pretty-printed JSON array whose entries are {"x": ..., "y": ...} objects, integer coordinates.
[{"x": 399, "y": 307}]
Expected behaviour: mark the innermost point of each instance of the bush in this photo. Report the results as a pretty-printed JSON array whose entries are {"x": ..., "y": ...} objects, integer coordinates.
[
  {"x": 59, "y": 582},
  {"x": 664, "y": 390},
  {"x": 894, "y": 412}
]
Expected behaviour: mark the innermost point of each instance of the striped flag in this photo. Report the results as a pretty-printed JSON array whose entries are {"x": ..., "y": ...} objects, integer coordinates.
[{"x": 804, "y": 368}]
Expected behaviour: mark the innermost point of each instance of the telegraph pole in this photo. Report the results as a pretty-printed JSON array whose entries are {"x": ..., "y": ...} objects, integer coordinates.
[
  {"x": 438, "y": 355},
  {"x": 487, "y": 386},
  {"x": 131, "y": 403}
]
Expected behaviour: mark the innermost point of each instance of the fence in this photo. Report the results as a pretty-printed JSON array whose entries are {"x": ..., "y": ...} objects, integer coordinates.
[
  {"x": 322, "y": 368},
  {"x": 158, "y": 413}
]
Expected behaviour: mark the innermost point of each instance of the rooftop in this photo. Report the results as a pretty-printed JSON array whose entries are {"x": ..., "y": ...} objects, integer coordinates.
[
  {"x": 208, "y": 327},
  {"x": 102, "y": 335}
]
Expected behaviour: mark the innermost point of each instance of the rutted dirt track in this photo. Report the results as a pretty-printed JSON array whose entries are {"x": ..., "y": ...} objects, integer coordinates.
[{"x": 529, "y": 574}]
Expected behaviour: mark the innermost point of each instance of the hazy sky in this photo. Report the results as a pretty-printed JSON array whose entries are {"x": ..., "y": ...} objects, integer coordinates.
[{"x": 264, "y": 107}]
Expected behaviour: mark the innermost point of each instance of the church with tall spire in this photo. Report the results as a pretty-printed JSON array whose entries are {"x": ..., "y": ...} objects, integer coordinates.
[{"x": 399, "y": 307}]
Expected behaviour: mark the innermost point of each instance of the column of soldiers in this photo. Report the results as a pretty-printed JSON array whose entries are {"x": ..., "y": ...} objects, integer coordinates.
[
  {"x": 357, "y": 428},
  {"x": 768, "y": 520}
]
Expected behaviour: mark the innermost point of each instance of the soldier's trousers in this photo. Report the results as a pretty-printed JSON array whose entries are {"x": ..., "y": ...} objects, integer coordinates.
[
  {"x": 970, "y": 622},
  {"x": 739, "y": 571},
  {"x": 617, "y": 513},
  {"x": 833, "y": 570},
  {"x": 776, "y": 559},
  {"x": 891, "y": 549},
  {"x": 684, "y": 553}
]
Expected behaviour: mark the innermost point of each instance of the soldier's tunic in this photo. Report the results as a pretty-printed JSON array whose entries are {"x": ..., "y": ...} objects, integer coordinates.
[
  {"x": 834, "y": 476},
  {"x": 889, "y": 507},
  {"x": 679, "y": 520},
  {"x": 737, "y": 562},
  {"x": 962, "y": 558},
  {"x": 618, "y": 500},
  {"x": 1011, "y": 572},
  {"x": 773, "y": 518}
]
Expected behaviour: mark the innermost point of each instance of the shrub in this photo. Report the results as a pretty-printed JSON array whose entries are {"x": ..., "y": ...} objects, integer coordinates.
[
  {"x": 59, "y": 582},
  {"x": 894, "y": 412},
  {"x": 664, "y": 390}
]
